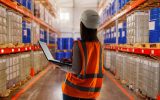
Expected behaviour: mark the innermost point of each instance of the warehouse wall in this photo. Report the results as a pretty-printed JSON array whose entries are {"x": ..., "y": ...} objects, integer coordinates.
[
  {"x": 71, "y": 25},
  {"x": 66, "y": 24}
]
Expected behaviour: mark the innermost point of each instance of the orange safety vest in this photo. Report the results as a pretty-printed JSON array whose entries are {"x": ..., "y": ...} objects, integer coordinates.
[{"x": 88, "y": 83}]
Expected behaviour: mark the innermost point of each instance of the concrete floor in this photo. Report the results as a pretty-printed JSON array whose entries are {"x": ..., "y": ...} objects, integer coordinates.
[{"x": 49, "y": 88}]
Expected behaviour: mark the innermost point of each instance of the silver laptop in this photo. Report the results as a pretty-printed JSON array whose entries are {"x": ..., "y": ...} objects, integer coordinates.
[{"x": 49, "y": 56}]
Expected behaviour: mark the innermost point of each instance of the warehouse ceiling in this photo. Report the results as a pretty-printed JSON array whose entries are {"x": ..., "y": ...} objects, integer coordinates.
[
  {"x": 77, "y": 3},
  {"x": 70, "y": 11}
]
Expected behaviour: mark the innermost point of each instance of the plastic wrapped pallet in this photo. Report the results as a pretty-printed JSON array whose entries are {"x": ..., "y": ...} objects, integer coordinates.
[
  {"x": 3, "y": 25},
  {"x": 46, "y": 16},
  {"x": 107, "y": 59},
  {"x": 133, "y": 71},
  {"x": 44, "y": 61},
  {"x": 142, "y": 73},
  {"x": 35, "y": 33},
  {"x": 3, "y": 75},
  {"x": 154, "y": 77},
  {"x": 39, "y": 10},
  {"x": 137, "y": 27},
  {"x": 39, "y": 61},
  {"x": 13, "y": 70},
  {"x": 113, "y": 62},
  {"x": 36, "y": 61},
  {"x": 42, "y": 11},
  {"x": 120, "y": 61},
  {"x": 25, "y": 65},
  {"x": 14, "y": 28}
]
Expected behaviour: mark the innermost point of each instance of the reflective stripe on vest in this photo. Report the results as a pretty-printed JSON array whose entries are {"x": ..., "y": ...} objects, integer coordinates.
[
  {"x": 86, "y": 89},
  {"x": 87, "y": 76}
]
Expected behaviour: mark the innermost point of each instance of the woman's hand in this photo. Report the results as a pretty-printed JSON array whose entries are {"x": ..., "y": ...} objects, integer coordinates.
[{"x": 66, "y": 60}]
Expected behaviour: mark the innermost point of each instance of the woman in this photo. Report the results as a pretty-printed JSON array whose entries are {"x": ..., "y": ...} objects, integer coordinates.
[{"x": 84, "y": 79}]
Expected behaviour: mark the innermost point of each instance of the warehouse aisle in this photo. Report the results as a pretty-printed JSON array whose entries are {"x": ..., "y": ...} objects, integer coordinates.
[{"x": 49, "y": 88}]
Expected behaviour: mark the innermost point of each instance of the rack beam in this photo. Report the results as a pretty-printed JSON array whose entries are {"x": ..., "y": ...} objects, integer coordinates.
[{"x": 141, "y": 51}]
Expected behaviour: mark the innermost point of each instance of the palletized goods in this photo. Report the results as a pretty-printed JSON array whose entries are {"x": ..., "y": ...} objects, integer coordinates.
[
  {"x": 3, "y": 75},
  {"x": 3, "y": 25},
  {"x": 13, "y": 70},
  {"x": 137, "y": 27},
  {"x": 14, "y": 27},
  {"x": 142, "y": 73}
]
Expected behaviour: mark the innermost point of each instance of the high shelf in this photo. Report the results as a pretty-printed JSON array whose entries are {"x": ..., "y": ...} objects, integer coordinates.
[
  {"x": 131, "y": 6},
  {"x": 4, "y": 51},
  {"x": 130, "y": 53},
  {"x": 49, "y": 6},
  {"x": 26, "y": 13},
  {"x": 142, "y": 51},
  {"x": 18, "y": 49}
]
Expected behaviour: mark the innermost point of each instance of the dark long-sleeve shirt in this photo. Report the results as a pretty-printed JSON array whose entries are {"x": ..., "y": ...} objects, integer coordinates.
[{"x": 76, "y": 61}]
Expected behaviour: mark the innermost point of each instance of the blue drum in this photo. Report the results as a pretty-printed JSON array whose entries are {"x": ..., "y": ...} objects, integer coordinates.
[
  {"x": 68, "y": 43},
  {"x": 60, "y": 43},
  {"x": 67, "y": 55},
  {"x": 59, "y": 55}
]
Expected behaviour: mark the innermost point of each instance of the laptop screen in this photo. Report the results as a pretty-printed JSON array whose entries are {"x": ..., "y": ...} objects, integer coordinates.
[{"x": 46, "y": 50}]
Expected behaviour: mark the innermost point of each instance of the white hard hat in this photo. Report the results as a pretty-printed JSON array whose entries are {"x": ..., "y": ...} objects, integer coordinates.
[{"x": 90, "y": 19}]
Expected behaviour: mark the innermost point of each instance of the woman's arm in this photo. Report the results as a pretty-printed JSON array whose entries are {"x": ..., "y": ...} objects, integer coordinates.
[{"x": 76, "y": 61}]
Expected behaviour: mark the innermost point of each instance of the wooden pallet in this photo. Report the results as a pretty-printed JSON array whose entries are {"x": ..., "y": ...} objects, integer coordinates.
[
  {"x": 149, "y": 4},
  {"x": 20, "y": 5},
  {"x": 15, "y": 2},
  {"x": 11, "y": 45},
  {"x": 148, "y": 45},
  {"x": 139, "y": 45},
  {"x": 8, "y": 45},
  {"x": 5, "y": 93},
  {"x": 27, "y": 19}
]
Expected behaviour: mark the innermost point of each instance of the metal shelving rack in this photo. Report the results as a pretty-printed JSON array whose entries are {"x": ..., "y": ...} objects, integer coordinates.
[
  {"x": 131, "y": 6},
  {"x": 123, "y": 12},
  {"x": 26, "y": 13},
  {"x": 142, "y": 51},
  {"x": 49, "y": 6},
  {"x": 29, "y": 15},
  {"x": 119, "y": 16}
]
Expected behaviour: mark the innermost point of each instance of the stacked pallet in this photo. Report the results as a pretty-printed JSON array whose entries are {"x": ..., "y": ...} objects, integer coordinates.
[
  {"x": 25, "y": 65},
  {"x": 3, "y": 75},
  {"x": 14, "y": 22},
  {"x": 137, "y": 27},
  {"x": 13, "y": 70},
  {"x": 107, "y": 59},
  {"x": 39, "y": 61},
  {"x": 137, "y": 72},
  {"x": 3, "y": 25},
  {"x": 35, "y": 33}
]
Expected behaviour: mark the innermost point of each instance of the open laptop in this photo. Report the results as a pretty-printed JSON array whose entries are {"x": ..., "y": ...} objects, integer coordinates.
[{"x": 49, "y": 56}]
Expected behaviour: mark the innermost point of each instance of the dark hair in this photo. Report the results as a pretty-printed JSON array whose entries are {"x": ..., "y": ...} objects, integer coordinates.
[{"x": 88, "y": 34}]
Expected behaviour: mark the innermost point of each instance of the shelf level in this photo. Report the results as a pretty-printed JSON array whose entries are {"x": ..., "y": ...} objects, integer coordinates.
[
  {"x": 49, "y": 6},
  {"x": 127, "y": 9},
  {"x": 4, "y": 51},
  {"x": 18, "y": 49},
  {"x": 101, "y": 5},
  {"x": 142, "y": 51},
  {"x": 26, "y": 13}
]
